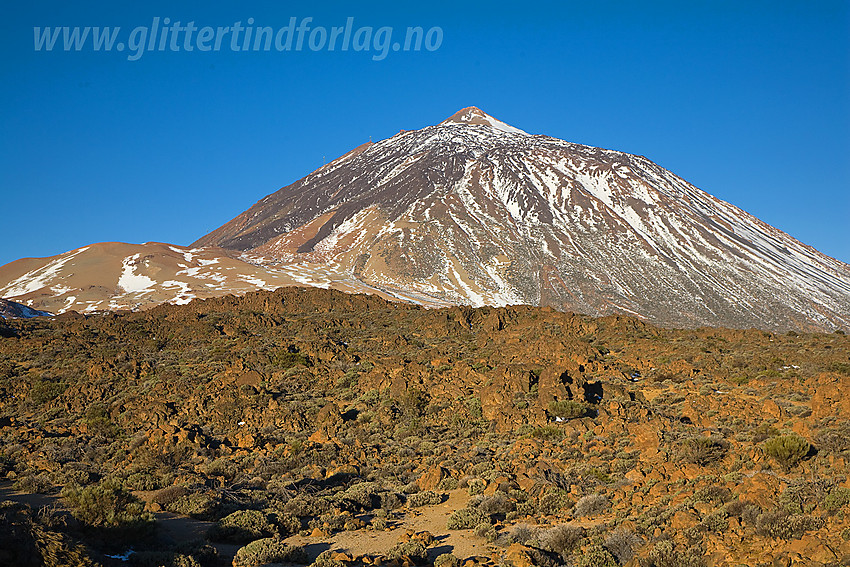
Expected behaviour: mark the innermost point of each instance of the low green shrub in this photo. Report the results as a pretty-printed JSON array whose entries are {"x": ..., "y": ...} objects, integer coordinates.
[
  {"x": 306, "y": 506},
  {"x": 98, "y": 421},
  {"x": 45, "y": 390},
  {"x": 447, "y": 560},
  {"x": 162, "y": 559},
  {"x": 787, "y": 450},
  {"x": 553, "y": 501},
  {"x": 840, "y": 367},
  {"x": 285, "y": 359},
  {"x": 195, "y": 504},
  {"x": 567, "y": 409},
  {"x": 837, "y": 499},
  {"x": 325, "y": 559},
  {"x": 597, "y": 556},
  {"x": 268, "y": 550},
  {"x": 412, "y": 549},
  {"x": 331, "y": 522},
  {"x": 106, "y": 504},
  {"x": 466, "y": 518},
  {"x": 713, "y": 494},
  {"x": 426, "y": 498},
  {"x": 363, "y": 496},
  {"x": 476, "y": 486},
  {"x": 147, "y": 480},
  {"x": 242, "y": 526},
  {"x": 716, "y": 522},
  {"x": 547, "y": 433}
]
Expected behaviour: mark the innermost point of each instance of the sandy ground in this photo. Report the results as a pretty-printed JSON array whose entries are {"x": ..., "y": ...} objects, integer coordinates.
[
  {"x": 427, "y": 518},
  {"x": 172, "y": 528},
  {"x": 33, "y": 500}
]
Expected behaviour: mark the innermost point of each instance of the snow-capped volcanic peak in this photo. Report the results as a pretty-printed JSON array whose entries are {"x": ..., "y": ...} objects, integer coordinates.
[
  {"x": 474, "y": 211},
  {"x": 472, "y": 115}
]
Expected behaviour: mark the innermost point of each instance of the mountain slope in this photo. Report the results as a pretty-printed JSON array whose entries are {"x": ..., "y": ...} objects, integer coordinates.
[
  {"x": 115, "y": 275},
  {"x": 14, "y": 310},
  {"x": 475, "y": 211}
]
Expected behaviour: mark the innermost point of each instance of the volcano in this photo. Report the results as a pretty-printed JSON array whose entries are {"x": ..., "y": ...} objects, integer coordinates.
[{"x": 475, "y": 211}]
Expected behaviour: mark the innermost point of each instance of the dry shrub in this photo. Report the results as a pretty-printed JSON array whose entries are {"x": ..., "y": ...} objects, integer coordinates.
[
  {"x": 703, "y": 451},
  {"x": 666, "y": 554},
  {"x": 522, "y": 534},
  {"x": 561, "y": 539},
  {"x": 622, "y": 543},
  {"x": 591, "y": 505},
  {"x": 780, "y": 524}
]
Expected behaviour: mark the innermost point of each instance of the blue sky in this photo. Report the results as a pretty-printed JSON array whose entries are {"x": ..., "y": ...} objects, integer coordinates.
[{"x": 750, "y": 101}]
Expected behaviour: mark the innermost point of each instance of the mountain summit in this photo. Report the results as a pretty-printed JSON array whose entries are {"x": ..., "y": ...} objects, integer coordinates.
[
  {"x": 474, "y": 211},
  {"x": 478, "y": 212},
  {"x": 474, "y": 116}
]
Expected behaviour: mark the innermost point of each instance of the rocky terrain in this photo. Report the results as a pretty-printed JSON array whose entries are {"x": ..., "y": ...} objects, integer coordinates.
[{"x": 308, "y": 426}]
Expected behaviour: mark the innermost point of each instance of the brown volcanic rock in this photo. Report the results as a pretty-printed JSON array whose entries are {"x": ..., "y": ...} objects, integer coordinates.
[
  {"x": 553, "y": 385},
  {"x": 431, "y": 479},
  {"x": 831, "y": 397},
  {"x": 335, "y": 408}
]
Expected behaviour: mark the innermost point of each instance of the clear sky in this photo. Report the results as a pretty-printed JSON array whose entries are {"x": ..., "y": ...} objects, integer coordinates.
[{"x": 750, "y": 101}]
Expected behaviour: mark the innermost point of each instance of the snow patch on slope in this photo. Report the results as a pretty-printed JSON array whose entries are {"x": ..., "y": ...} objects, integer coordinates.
[
  {"x": 130, "y": 281},
  {"x": 40, "y": 277}
]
